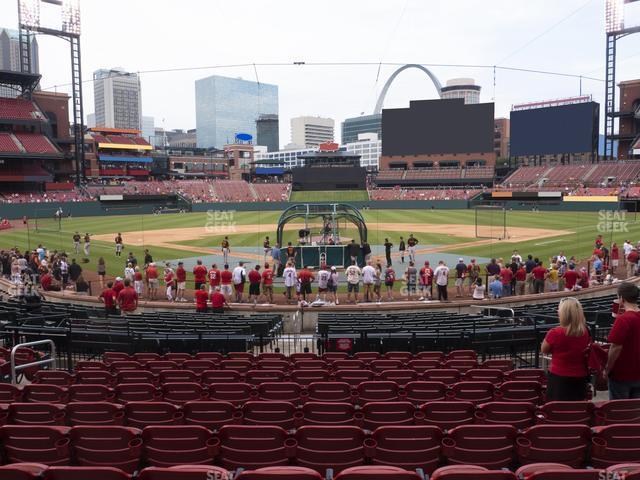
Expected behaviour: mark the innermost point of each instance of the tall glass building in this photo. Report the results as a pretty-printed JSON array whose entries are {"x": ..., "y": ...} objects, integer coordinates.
[
  {"x": 227, "y": 106},
  {"x": 352, "y": 127}
]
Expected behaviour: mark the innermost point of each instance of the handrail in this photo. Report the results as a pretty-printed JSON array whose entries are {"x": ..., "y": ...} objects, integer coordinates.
[{"x": 47, "y": 361}]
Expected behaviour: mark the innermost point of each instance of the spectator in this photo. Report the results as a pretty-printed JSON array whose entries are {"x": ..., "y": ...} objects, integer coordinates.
[
  {"x": 275, "y": 256},
  {"x": 267, "y": 283},
  {"x": 168, "y": 281},
  {"x": 521, "y": 279},
  {"x": 615, "y": 257},
  {"x": 539, "y": 274},
  {"x": 571, "y": 278},
  {"x": 226, "y": 280},
  {"x": 632, "y": 262},
  {"x": 74, "y": 270},
  {"x": 441, "y": 275},
  {"x": 567, "y": 378},
  {"x": 553, "y": 278},
  {"x": 368, "y": 280},
  {"x": 506, "y": 275},
  {"x": 623, "y": 364},
  {"x": 128, "y": 272},
  {"x": 118, "y": 285},
  {"x": 323, "y": 282},
  {"x": 479, "y": 289},
  {"x": 473, "y": 272},
  {"x": 199, "y": 274},
  {"x": 82, "y": 286},
  {"x": 137, "y": 281},
  {"x": 102, "y": 271},
  {"x": 127, "y": 298},
  {"x": 218, "y": 300},
  {"x": 493, "y": 268},
  {"x": 214, "y": 278},
  {"x": 239, "y": 276},
  {"x": 254, "y": 284},
  {"x": 181, "y": 279},
  {"x": 332, "y": 285},
  {"x": 353, "y": 281},
  {"x": 152, "y": 280},
  {"x": 108, "y": 297},
  {"x": 366, "y": 251},
  {"x": 495, "y": 287},
  {"x": 389, "y": 280},
  {"x": 201, "y": 298},
  {"x": 461, "y": 271},
  {"x": 290, "y": 277},
  {"x": 426, "y": 282},
  {"x": 354, "y": 250},
  {"x": 411, "y": 279},
  {"x": 305, "y": 278}
]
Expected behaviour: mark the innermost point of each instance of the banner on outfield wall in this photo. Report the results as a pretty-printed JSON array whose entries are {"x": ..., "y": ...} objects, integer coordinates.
[
  {"x": 111, "y": 198},
  {"x": 594, "y": 198}
]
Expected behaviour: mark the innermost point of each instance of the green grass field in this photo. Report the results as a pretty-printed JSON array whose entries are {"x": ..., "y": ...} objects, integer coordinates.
[
  {"x": 332, "y": 196},
  {"x": 583, "y": 225}
]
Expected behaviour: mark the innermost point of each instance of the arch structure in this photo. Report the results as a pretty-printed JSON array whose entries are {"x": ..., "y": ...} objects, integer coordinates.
[
  {"x": 383, "y": 93},
  {"x": 329, "y": 213}
]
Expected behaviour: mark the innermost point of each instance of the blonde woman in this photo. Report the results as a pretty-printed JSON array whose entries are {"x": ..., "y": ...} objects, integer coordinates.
[{"x": 568, "y": 376}]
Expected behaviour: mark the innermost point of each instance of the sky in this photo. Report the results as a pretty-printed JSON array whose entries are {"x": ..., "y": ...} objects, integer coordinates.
[{"x": 565, "y": 36}]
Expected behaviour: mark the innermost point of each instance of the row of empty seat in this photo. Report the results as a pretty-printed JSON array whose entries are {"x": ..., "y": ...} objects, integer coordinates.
[
  {"x": 26, "y": 143},
  {"x": 19, "y": 109}
]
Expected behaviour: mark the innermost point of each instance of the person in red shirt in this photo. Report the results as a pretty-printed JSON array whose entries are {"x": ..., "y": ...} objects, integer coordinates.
[
  {"x": 267, "y": 283},
  {"x": 632, "y": 262},
  {"x": 615, "y": 257},
  {"x": 152, "y": 280},
  {"x": 521, "y": 279},
  {"x": 570, "y": 278},
  {"x": 226, "y": 280},
  {"x": 254, "y": 284},
  {"x": 426, "y": 281},
  {"x": 306, "y": 278},
  {"x": 214, "y": 278},
  {"x": 201, "y": 299},
  {"x": 568, "y": 375},
  {"x": 599, "y": 243},
  {"x": 539, "y": 274},
  {"x": 623, "y": 364},
  {"x": 127, "y": 298},
  {"x": 108, "y": 297},
  {"x": 118, "y": 286},
  {"x": 181, "y": 279},
  {"x": 46, "y": 281},
  {"x": 218, "y": 301},
  {"x": 506, "y": 275},
  {"x": 199, "y": 274}
]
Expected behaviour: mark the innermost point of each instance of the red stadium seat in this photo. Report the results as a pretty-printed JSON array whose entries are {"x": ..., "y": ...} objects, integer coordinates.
[
  {"x": 462, "y": 355},
  {"x": 110, "y": 357},
  {"x": 136, "y": 376},
  {"x": 40, "y": 393},
  {"x": 447, "y": 415},
  {"x": 475, "y": 392},
  {"x": 210, "y": 414},
  {"x": 107, "y": 446},
  {"x": 492, "y": 375},
  {"x": 185, "y": 472},
  {"x": 435, "y": 355},
  {"x": 613, "y": 444},
  {"x": 95, "y": 413},
  {"x": 294, "y": 357},
  {"x": 198, "y": 366},
  {"x": 179, "y": 358},
  {"x": 22, "y": 471},
  {"x": 273, "y": 364},
  {"x": 144, "y": 414},
  {"x": 557, "y": 471},
  {"x": 404, "y": 357},
  {"x": 36, "y": 414},
  {"x": 241, "y": 356},
  {"x": 490, "y": 446},
  {"x": 448, "y": 376},
  {"x": 82, "y": 473},
  {"x": 48, "y": 445},
  {"x": 80, "y": 392},
  {"x": 366, "y": 357},
  {"x": 256, "y": 377},
  {"x": 272, "y": 356},
  {"x": 424, "y": 364},
  {"x": 307, "y": 376},
  {"x": 349, "y": 365},
  {"x": 329, "y": 392},
  {"x": 157, "y": 366},
  {"x": 251, "y": 447},
  {"x": 618, "y": 411},
  {"x": 220, "y": 376},
  {"x": 137, "y": 392},
  {"x": 173, "y": 376},
  {"x": 90, "y": 365},
  {"x": 283, "y": 391},
  {"x": 378, "y": 414},
  {"x": 409, "y": 447},
  {"x": 502, "y": 364},
  {"x": 53, "y": 377},
  {"x": 377, "y": 472},
  {"x": 236, "y": 393},
  {"x": 279, "y": 473},
  {"x": 520, "y": 391},
  {"x": 9, "y": 393},
  {"x": 519, "y": 414},
  {"x": 241, "y": 366},
  {"x": 212, "y": 356},
  {"x": 180, "y": 393},
  {"x": 281, "y": 414},
  {"x": 166, "y": 446},
  {"x": 401, "y": 376},
  {"x": 530, "y": 374},
  {"x": 470, "y": 472},
  {"x": 376, "y": 392},
  {"x": 323, "y": 447},
  {"x": 354, "y": 377},
  {"x": 461, "y": 364},
  {"x": 95, "y": 377},
  {"x": 145, "y": 357},
  {"x": 328, "y": 413},
  {"x": 378, "y": 366},
  {"x": 119, "y": 365},
  {"x": 626, "y": 471},
  {"x": 567, "y": 413},
  {"x": 421, "y": 391},
  {"x": 331, "y": 357},
  {"x": 310, "y": 365},
  {"x": 566, "y": 444}
]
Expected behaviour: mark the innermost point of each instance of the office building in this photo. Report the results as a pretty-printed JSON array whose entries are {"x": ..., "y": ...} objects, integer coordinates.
[
  {"x": 148, "y": 129},
  {"x": 117, "y": 99},
  {"x": 288, "y": 158},
  {"x": 10, "y": 51},
  {"x": 352, "y": 127},
  {"x": 268, "y": 132},
  {"x": 629, "y": 130},
  {"x": 501, "y": 136},
  {"x": 228, "y": 106},
  {"x": 311, "y": 131},
  {"x": 465, "y": 88},
  {"x": 369, "y": 147}
]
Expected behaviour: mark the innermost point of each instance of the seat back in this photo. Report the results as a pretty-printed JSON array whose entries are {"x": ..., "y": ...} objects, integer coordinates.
[
  {"x": 236, "y": 393},
  {"x": 280, "y": 473},
  {"x": 282, "y": 414},
  {"x": 424, "y": 391},
  {"x": 144, "y": 414},
  {"x": 377, "y": 414},
  {"x": 379, "y": 391},
  {"x": 94, "y": 413},
  {"x": 377, "y": 472},
  {"x": 137, "y": 392},
  {"x": 447, "y": 415},
  {"x": 490, "y": 446},
  {"x": 166, "y": 446},
  {"x": 566, "y": 444},
  {"x": 520, "y": 391},
  {"x": 328, "y": 413},
  {"x": 90, "y": 392},
  {"x": 180, "y": 393},
  {"x": 618, "y": 411},
  {"x": 519, "y": 414},
  {"x": 102, "y": 446},
  {"x": 49, "y": 445},
  {"x": 211, "y": 414},
  {"x": 252, "y": 446},
  {"x": 329, "y": 392},
  {"x": 564, "y": 413},
  {"x": 323, "y": 447},
  {"x": 37, "y": 414},
  {"x": 615, "y": 444},
  {"x": 283, "y": 391},
  {"x": 354, "y": 377},
  {"x": 410, "y": 447},
  {"x": 82, "y": 473},
  {"x": 185, "y": 472}
]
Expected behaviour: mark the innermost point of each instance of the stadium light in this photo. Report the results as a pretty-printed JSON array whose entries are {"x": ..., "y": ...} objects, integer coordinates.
[
  {"x": 71, "y": 16},
  {"x": 29, "y": 11},
  {"x": 614, "y": 15}
]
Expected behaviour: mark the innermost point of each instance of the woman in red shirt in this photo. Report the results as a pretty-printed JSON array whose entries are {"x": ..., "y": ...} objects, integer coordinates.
[{"x": 568, "y": 376}]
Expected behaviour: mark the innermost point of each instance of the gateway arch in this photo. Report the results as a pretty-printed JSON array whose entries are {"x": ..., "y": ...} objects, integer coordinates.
[{"x": 383, "y": 93}]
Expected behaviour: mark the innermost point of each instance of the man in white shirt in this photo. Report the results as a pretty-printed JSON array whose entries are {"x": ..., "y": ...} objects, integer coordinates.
[
  {"x": 441, "y": 275},
  {"x": 129, "y": 272},
  {"x": 353, "y": 281},
  {"x": 368, "y": 278},
  {"x": 290, "y": 278},
  {"x": 626, "y": 248},
  {"x": 516, "y": 256},
  {"x": 239, "y": 277},
  {"x": 323, "y": 282}
]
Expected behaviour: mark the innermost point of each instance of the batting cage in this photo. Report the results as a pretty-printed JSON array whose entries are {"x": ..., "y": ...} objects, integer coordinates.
[{"x": 491, "y": 222}]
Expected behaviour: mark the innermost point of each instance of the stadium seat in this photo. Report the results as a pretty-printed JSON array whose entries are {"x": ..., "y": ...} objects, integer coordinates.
[
  {"x": 48, "y": 445},
  {"x": 378, "y": 366},
  {"x": 91, "y": 365},
  {"x": 331, "y": 357},
  {"x": 251, "y": 447},
  {"x": 350, "y": 364},
  {"x": 241, "y": 356},
  {"x": 379, "y": 391},
  {"x": 462, "y": 355},
  {"x": 95, "y": 377},
  {"x": 137, "y": 392},
  {"x": 178, "y": 358},
  {"x": 503, "y": 364},
  {"x": 519, "y": 414},
  {"x": 283, "y": 391},
  {"x": 256, "y": 377},
  {"x": 238, "y": 365},
  {"x": 422, "y": 365},
  {"x": 157, "y": 366},
  {"x": 328, "y": 413},
  {"x": 272, "y": 356},
  {"x": 166, "y": 446},
  {"x": 557, "y": 471},
  {"x": 377, "y": 472},
  {"x": 435, "y": 355},
  {"x": 566, "y": 444},
  {"x": 354, "y": 377},
  {"x": 294, "y": 357},
  {"x": 280, "y": 473},
  {"x": 236, "y": 393},
  {"x": 409, "y": 447},
  {"x": 220, "y": 376},
  {"x": 136, "y": 376},
  {"x": 281, "y": 414},
  {"x": 489, "y": 446},
  {"x": 144, "y": 414},
  {"x": 198, "y": 366},
  {"x": 173, "y": 376},
  {"x": 618, "y": 411},
  {"x": 530, "y": 374},
  {"x": 422, "y": 391},
  {"x": 460, "y": 364},
  {"x": 404, "y": 357},
  {"x": 22, "y": 471},
  {"x": 94, "y": 413},
  {"x": 211, "y": 414},
  {"x": 366, "y": 357},
  {"x": 53, "y": 377},
  {"x": 310, "y": 365},
  {"x": 119, "y": 365},
  {"x": 329, "y": 392},
  {"x": 82, "y": 473},
  {"x": 448, "y": 376},
  {"x": 180, "y": 393},
  {"x": 567, "y": 413},
  {"x": 323, "y": 447},
  {"x": 613, "y": 444},
  {"x": 110, "y": 357},
  {"x": 145, "y": 357},
  {"x": 273, "y": 364},
  {"x": 107, "y": 446},
  {"x": 378, "y": 414},
  {"x": 401, "y": 376},
  {"x": 626, "y": 471},
  {"x": 40, "y": 393},
  {"x": 214, "y": 357},
  {"x": 492, "y": 375},
  {"x": 80, "y": 392},
  {"x": 475, "y": 392},
  {"x": 307, "y": 376},
  {"x": 447, "y": 415},
  {"x": 520, "y": 391},
  {"x": 185, "y": 472},
  {"x": 470, "y": 472},
  {"x": 36, "y": 414},
  {"x": 9, "y": 393}
]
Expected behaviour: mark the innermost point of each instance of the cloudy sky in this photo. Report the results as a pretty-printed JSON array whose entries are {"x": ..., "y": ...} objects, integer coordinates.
[{"x": 565, "y": 36}]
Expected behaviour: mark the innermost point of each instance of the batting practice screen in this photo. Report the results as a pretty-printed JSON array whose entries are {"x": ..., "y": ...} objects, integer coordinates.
[{"x": 491, "y": 222}]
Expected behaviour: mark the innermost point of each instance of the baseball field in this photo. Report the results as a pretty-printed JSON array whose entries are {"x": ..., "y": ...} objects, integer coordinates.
[{"x": 442, "y": 234}]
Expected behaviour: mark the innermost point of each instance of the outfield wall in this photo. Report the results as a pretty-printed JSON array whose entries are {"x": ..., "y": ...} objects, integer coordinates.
[{"x": 89, "y": 209}]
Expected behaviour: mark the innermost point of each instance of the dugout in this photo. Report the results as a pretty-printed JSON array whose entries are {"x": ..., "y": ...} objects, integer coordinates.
[{"x": 320, "y": 229}]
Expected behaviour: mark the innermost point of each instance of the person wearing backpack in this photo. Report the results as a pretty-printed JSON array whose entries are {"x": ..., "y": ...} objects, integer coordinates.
[
  {"x": 389, "y": 280},
  {"x": 568, "y": 376},
  {"x": 623, "y": 363}
]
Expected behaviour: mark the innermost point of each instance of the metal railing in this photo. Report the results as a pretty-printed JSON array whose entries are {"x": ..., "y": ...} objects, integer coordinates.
[{"x": 46, "y": 361}]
